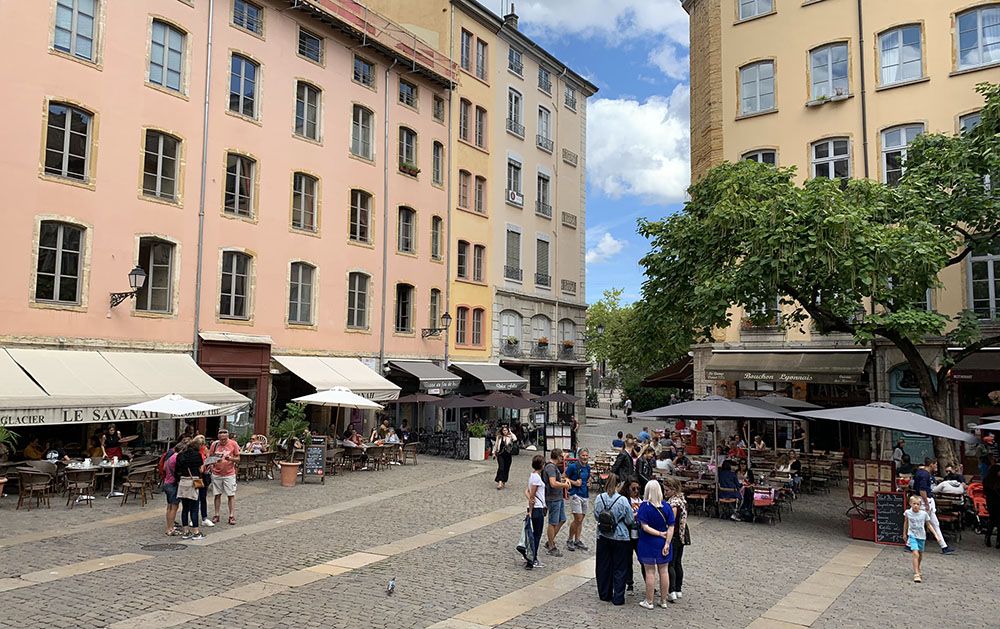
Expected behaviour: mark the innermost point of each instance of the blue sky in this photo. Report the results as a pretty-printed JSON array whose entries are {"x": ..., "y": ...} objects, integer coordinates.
[{"x": 635, "y": 51}]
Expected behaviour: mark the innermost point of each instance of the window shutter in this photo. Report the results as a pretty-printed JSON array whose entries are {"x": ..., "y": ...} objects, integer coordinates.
[
  {"x": 513, "y": 249},
  {"x": 542, "y": 257}
]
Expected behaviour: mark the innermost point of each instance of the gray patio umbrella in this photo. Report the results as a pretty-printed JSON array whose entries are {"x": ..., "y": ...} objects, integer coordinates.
[
  {"x": 991, "y": 426},
  {"x": 505, "y": 400},
  {"x": 883, "y": 415},
  {"x": 789, "y": 403},
  {"x": 560, "y": 397}
]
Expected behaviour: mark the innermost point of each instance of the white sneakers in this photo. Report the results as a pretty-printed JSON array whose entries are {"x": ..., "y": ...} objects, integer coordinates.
[
  {"x": 207, "y": 522},
  {"x": 646, "y": 604}
]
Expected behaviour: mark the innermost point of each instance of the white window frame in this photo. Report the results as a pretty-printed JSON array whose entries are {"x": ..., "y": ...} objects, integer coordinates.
[
  {"x": 544, "y": 123},
  {"x": 992, "y": 281},
  {"x": 305, "y": 46},
  {"x": 822, "y": 57},
  {"x": 166, "y": 166},
  {"x": 403, "y": 319},
  {"x": 241, "y": 163},
  {"x": 359, "y": 221},
  {"x": 406, "y": 230},
  {"x": 461, "y": 325},
  {"x": 76, "y": 33},
  {"x": 515, "y": 112},
  {"x": 153, "y": 271},
  {"x": 464, "y": 188},
  {"x": 434, "y": 308},
  {"x": 479, "y": 194},
  {"x": 756, "y": 88},
  {"x": 244, "y": 21},
  {"x": 480, "y": 127},
  {"x": 902, "y": 70},
  {"x": 832, "y": 158},
  {"x": 165, "y": 56},
  {"x": 462, "y": 259},
  {"x": 305, "y": 195},
  {"x": 465, "y": 50},
  {"x": 437, "y": 163},
  {"x": 465, "y": 119},
  {"x": 901, "y": 149},
  {"x": 301, "y": 275},
  {"x": 962, "y": 22},
  {"x": 407, "y": 146},
  {"x": 308, "y": 110},
  {"x": 515, "y": 176},
  {"x": 409, "y": 93},
  {"x": 482, "y": 59},
  {"x": 541, "y": 327},
  {"x": 478, "y": 316},
  {"x": 363, "y": 71},
  {"x": 242, "y": 99},
  {"x": 437, "y": 232},
  {"x": 59, "y": 253},
  {"x": 515, "y": 62},
  {"x": 513, "y": 255},
  {"x": 759, "y": 154},
  {"x": 752, "y": 8},
  {"x": 478, "y": 263},
  {"x": 974, "y": 117},
  {"x": 511, "y": 325}
]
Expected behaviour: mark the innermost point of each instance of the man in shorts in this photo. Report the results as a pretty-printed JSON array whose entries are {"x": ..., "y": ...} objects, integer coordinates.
[
  {"x": 224, "y": 473},
  {"x": 578, "y": 474},
  {"x": 555, "y": 488}
]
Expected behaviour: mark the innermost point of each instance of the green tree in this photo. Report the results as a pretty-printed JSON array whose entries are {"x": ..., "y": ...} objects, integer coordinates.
[{"x": 855, "y": 257}]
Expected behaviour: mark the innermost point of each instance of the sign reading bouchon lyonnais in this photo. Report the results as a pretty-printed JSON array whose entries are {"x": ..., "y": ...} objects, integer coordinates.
[
  {"x": 780, "y": 376},
  {"x": 72, "y": 415}
]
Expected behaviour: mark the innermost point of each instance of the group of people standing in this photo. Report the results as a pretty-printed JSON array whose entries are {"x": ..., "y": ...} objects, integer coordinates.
[{"x": 188, "y": 470}]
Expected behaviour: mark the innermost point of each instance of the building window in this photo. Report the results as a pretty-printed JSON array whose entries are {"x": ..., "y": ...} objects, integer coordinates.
[
  {"x": 480, "y": 195},
  {"x": 408, "y": 150},
  {"x": 984, "y": 280},
  {"x": 569, "y": 95},
  {"x": 829, "y": 71},
  {"x": 979, "y": 37},
  {"x": 480, "y": 127},
  {"x": 464, "y": 183},
  {"x": 482, "y": 60},
  {"x": 404, "y": 308},
  {"x": 438, "y": 108},
  {"x": 762, "y": 157},
  {"x": 437, "y": 231},
  {"x": 543, "y": 205},
  {"x": 477, "y": 326},
  {"x": 462, "y": 260},
  {"x": 511, "y": 327},
  {"x": 465, "y": 51},
  {"x": 515, "y": 116},
  {"x": 894, "y": 144},
  {"x": 434, "y": 311},
  {"x": 567, "y": 331},
  {"x": 248, "y": 16},
  {"x": 166, "y": 56},
  {"x": 757, "y": 88},
  {"x": 156, "y": 258},
  {"x": 243, "y": 86},
  {"x": 512, "y": 268},
  {"x": 461, "y": 325},
  {"x": 357, "y": 300},
  {"x": 542, "y": 276},
  {"x": 831, "y": 158},
  {"x": 464, "y": 119},
  {"x": 59, "y": 267},
  {"x": 968, "y": 122},
  {"x": 76, "y": 27},
  {"x": 310, "y": 45},
  {"x": 541, "y": 328},
  {"x": 900, "y": 55},
  {"x": 753, "y": 8},
  {"x": 514, "y": 62},
  {"x": 67, "y": 142},
  {"x": 406, "y": 226},
  {"x": 361, "y": 132},
  {"x": 307, "y": 104},
  {"x": 364, "y": 71},
  {"x": 240, "y": 176},
  {"x": 361, "y": 209},
  {"x": 437, "y": 163},
  {"x": 159, "y": 166},
  {"x": 478, "y": 263},
  {"x": 514, "y": 193},
  {"x": 407, "y": 93},
  {"x": 234, "y": 298},
  {"x": 304, "y": 202},
  {"x": 544, "y": 139},
  {"x": 544, "y": 80},
  {"x": 300, "y": 293}
]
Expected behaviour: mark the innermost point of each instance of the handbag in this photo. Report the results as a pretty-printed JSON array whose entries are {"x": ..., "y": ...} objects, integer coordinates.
[
  {"x": 687, "y": 536},
  {"x": 186, "y": 488},
  {"x": 198, "y": 483}
]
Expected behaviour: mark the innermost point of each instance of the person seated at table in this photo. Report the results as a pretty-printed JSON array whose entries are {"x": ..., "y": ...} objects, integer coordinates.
[
  {"x": 729, "y": 486},
  {"x": 56, "y": 452},
  {"x": 34, "y": 451},
  {"x": 720, "y": 455},
  {"x": 643, "y": 435},
  {"x": 663, "y": 462},
  {"x": 951, "y": 474},
  {"x": 758, "y": 443},
  {"x": 619, "y": 441},
  {"x": 906, "y": 467},
  {"x": 655, "y": 444},
  {"x": 745, "y": 476},
  {"x": 349, "y": 440},
  {"x": 404, "y": 431},
  {"x": 681, "y": 460},
  {"x": 392, "y": 437}
]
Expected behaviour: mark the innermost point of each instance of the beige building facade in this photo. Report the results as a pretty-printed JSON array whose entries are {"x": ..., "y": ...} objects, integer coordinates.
[{"x": 838, "y": 88}]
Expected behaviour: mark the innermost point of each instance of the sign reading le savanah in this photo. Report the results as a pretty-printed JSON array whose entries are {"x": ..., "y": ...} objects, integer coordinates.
[{"x": 76, "y": 415}]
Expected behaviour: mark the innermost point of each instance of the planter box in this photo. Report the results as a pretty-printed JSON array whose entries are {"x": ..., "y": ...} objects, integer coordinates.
[{"x": 477, "y": 448}]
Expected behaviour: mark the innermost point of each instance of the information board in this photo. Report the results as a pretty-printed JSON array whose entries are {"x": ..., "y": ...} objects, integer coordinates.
[
  {"x": 315, "y": 459},
  {"x": 889, "y": 507},
  {"x": 867, "y": 478}
]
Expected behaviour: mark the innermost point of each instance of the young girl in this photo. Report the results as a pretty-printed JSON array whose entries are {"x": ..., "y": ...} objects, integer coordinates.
[{"x": 915, "y": 530}]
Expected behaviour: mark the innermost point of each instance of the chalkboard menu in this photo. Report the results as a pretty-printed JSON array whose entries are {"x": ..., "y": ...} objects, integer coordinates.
[
  {"x": 315, "y": 459},
  {"x": 889, "y": 507}
]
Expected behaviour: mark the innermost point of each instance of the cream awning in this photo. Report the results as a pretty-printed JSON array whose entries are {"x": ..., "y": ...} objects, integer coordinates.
[{"x": 324, "y": 372}]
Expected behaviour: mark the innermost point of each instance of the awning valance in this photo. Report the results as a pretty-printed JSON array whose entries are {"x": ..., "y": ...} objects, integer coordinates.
[
  {"x": 679, "y": 374},
  {"x": 52, "y": 386},
  {"x": 836, "y": 366},
  {"x": 492, "y": 376},
  {"x": 983, "y": 365},
  {"x": 324, "y": 372},
  {"x": 430, "y": 376}
]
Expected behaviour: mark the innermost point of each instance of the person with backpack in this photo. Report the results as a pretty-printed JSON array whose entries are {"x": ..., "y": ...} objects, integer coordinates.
[
  {"x": 627, "y": 405},
  {"x": 614, "y": 549}
]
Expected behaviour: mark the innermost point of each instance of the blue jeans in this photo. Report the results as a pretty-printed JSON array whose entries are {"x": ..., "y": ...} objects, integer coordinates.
[{"x": 537, "y": 527}]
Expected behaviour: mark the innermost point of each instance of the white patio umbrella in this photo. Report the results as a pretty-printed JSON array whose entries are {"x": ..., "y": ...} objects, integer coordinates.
[
  {"x": 338, "y": 396},
  {"x": 992, "y": 426},
  {"x": 176, "y": 405}
]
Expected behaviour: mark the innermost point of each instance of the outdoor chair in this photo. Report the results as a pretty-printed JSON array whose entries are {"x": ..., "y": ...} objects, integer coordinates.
[
  {"x": 79, "y": 485},
  {"x": 700, "y": 499},
  {"x": 33, "y": 484},
  {"x": 354, "y": 458},
  {"x": 410, "y": 452},
  {"x": 245, "y": 468},
  {"x": 136, "y": 484}
]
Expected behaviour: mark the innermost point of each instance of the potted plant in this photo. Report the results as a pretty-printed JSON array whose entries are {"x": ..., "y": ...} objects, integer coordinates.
[
  {"x": 512, "y": 340},
  {"x": 8, "y": 443},
  {"x": 409, "y": 169},
  {"x": 477, "y": 441},
  {"x": 543, "y": 342},
  {"x": 292, "y": 428},
  {"x": 568, "y": 344}
]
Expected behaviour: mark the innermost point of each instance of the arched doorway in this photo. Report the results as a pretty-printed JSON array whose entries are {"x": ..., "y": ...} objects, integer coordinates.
[{"x": 904, "y": 392}]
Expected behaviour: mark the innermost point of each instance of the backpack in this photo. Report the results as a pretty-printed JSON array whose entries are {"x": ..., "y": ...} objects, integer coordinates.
[
  {"x": 606, "y": 520},
  {"x": 163, "y": 461}
]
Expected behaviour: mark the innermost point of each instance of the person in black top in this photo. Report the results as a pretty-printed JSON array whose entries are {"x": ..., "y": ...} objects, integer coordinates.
[
  {"x": 624, "y": 466},
  {"x": 188, "y": 467},
  {"x": 991, "y": 486},
  {"x": 799, "y": 438},
  {"x": 644, "y": 466}
]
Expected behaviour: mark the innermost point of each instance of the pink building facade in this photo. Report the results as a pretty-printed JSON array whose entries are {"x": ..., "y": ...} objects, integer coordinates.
[{"x": 299, "y": 208}]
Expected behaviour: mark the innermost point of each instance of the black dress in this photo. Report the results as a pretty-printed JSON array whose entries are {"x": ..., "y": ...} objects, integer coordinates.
[{"x": 504, "y": 459}]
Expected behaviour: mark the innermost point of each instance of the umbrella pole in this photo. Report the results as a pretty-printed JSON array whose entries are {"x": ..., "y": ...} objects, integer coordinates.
[{"x": 715, "y": 446}]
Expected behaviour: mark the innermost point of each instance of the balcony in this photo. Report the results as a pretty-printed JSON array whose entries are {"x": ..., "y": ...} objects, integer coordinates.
[
  {"x": 511, "y": 349},
  {"x": 570, "y": 157},
  {"x": 569, "y": 220},
  {"x": 515, "y": 127},
  {"x": 569, "y": 287},
  {"x": 543, "y": 279},
  {"x": 513, "y": 272},
  {"x": 544, "y": 143},
  {"x": 568, "y": 352},
  {"x": 543, "y": 209},
  {"x": 540, "y": 350}
]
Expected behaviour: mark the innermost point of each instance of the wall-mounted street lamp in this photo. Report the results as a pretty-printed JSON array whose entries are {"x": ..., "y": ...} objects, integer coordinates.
[
  {"x": 136, "y": 279},
  {"x": 445, "y": 322}
]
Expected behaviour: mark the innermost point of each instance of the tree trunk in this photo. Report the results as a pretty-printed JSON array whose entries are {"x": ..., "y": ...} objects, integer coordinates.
[{"x": 944, "y": 449}]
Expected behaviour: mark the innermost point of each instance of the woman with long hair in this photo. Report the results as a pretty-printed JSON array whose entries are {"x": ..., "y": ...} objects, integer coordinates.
[
  {"x": 503, "y": 452},
  {"x": 675, "y": 499},
  {"x": 656, "y": 531},
  {"x": 190, "y": 467},
  {"x": 535, "y": 493}
]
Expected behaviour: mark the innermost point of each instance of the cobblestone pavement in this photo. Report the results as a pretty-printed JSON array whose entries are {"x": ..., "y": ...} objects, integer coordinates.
[{"x": 454, "y": 535}]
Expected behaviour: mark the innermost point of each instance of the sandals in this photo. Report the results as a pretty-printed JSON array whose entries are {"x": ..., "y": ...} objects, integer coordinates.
[
  {"x": 232, "y": 519},
  {"x": 174, "y": 533},
  {"x": 215, "y": 519}
]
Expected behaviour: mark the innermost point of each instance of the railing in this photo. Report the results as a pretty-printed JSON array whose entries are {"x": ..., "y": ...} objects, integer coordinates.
[
  {"x": 543, "y": 279},
  {"x": 515, "y": 127},
  {"x": 540, "y": 350},
  {"x": 543, "y": 209},
  {"x": 545, "y": 84},
  {"x": 517, "y": 67},
  {"x": 513, "y": 272},
  {"x": 569, "y": 287},
  {"x": 544, "y": 143},
  {"x": 570, "y": 157},
  {"x": 512, "y": 350},
  {"x": 569, "y": 220},
  {"x": 567, "y": 353}
]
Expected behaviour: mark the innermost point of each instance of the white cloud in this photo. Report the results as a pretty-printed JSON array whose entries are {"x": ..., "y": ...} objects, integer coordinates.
[
  {"x": 640, "y": 148},
  {"x": 606, "y": 248},
  {"x": 667, "y": 59}
]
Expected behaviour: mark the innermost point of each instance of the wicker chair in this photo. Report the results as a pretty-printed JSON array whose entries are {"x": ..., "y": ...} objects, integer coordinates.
[
  {"x": 80, "y": 486},
  {"x": 410, "y": 452},
  {"x": 136, "y": 484},
  {"x": 33, "y": 484}
]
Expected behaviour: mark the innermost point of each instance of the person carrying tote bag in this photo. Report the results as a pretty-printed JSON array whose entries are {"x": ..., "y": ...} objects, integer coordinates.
[{"x": 189, "y": 469}]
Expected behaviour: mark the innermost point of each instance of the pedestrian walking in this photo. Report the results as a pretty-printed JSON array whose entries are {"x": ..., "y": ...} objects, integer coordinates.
[
  {"x": 682, "y": 536},
  {"x": 503, "y": 452},
  {"x": 224, "y": 473},
  {"x": 578, "y": 474},
  {"x": 536, "y": 509},
  {"x": 188, "y": 469},
  {"x": 555, "y": 487},
  {"x": 644, "y": 465},
  {"x": 627, "y": 405},
  {"x": 915, "y": 528},
  {"x": 656, "y": 531},
  {"x": 170, "y": 488},
  {"x": 923, "y": 480},
  {"x": 614, "y": 550}
]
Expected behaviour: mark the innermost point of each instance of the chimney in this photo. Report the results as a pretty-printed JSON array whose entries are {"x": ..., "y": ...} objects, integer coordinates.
[{"x": 510, "y": 20}]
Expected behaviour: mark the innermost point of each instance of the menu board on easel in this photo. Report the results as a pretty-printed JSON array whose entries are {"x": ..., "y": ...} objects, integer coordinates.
[
  {"x": 557, "y": 436},
  {"x": 867, "y": 478},
  {"x": 314, "y": 463},
  {"x": 889, "y": 507}
]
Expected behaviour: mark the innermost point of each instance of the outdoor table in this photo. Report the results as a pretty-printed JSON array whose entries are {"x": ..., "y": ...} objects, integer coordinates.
[
  {"x": 80, "y": 465},
  {"x": 113, "y": 466}
]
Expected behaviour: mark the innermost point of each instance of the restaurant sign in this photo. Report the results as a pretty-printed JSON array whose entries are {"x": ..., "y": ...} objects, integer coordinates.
[
  {"x": 71, "y": 415},
  {"x": 439, "y": 385},
  {"x": 781, "y": 376},
  {"x": 503, "y": 386}
]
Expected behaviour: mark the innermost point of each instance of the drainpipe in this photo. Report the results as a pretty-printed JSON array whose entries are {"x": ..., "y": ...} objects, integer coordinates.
[
  {"x": 447, "y": 219},
  {"x": 204, "y": 180},
  {"x": 864, "y": 93},
  {"x": 385, "y": 223}
]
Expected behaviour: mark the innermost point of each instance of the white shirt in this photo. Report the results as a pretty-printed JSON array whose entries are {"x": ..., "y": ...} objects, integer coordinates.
[
  {"x": 535, "y": 480},
  {"x": 897, "y": 456}
]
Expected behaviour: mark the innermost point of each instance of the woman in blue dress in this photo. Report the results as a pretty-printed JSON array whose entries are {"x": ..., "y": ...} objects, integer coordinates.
[{"x": 656, "y": 528}]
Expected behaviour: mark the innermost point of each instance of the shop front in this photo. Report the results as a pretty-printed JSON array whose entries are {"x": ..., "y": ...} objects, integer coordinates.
[
  {"x": 420, "y": 376},
  {"x": 242, "y": 362},
  {"x": 977, "y": 383}
]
